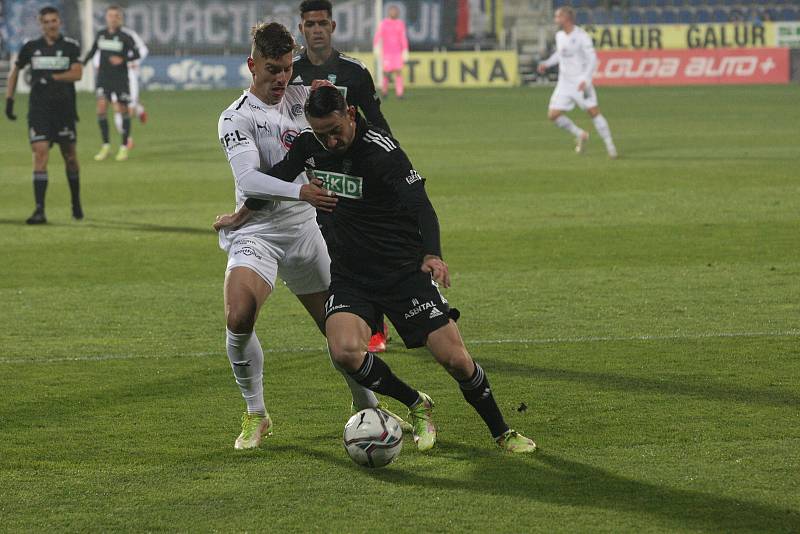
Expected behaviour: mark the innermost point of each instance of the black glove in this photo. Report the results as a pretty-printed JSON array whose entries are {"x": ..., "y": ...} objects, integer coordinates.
[{"x": 10, "y": 109}]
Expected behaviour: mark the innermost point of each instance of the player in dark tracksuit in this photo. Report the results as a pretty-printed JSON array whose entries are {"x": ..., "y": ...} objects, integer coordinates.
[
  {"x": 55, "y": 66},
  {"x": 117, "y": 48},
  {"x": 386, "y": 259},
  {"x": 320, "y": 61}
]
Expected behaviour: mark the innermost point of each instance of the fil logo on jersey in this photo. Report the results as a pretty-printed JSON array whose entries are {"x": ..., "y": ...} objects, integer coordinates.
[{"x": 233, "y": 139}]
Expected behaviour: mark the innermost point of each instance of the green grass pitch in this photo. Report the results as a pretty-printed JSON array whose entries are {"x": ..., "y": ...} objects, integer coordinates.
[{"x": 646, "y": 310}]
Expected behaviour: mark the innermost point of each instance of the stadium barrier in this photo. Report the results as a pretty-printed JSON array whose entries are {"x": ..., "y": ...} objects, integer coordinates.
[
  {"x": 787, "y": 34},
  {"x": 688, "y": 36},
  {"x": 693, "y": 67},
  {"x": 423, "y": 69}
]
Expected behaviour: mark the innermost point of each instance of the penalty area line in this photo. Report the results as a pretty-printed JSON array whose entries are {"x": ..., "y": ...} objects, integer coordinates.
[{"x": 25, "y": 359}]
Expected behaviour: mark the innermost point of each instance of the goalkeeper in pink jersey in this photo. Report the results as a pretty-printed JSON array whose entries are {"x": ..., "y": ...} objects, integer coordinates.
[{"x": 392, "y": 38}]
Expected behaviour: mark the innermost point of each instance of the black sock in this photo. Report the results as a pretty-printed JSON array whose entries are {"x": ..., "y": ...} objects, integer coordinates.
[
  {"x": 478, "y": 393},
  {"x": 126, "y": 129},
  {"x": 374, "y": 374},
  {"x": 39, "y": 189},
  {"x": 74, "y": 180},
  {"x": 103, "y": 122}
]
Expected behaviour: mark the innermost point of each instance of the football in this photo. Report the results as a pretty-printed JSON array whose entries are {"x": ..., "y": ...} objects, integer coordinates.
[{"x": 372, "y": 438}]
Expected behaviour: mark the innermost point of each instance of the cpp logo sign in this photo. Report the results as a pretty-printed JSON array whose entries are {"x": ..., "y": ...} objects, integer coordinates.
[{"x": 193, "y": 71}]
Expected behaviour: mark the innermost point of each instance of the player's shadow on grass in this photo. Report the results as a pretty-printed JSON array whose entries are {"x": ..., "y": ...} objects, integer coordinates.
[
  {"x": 701, "y": 390},
  {"x": 119, "y": 225},
  {"x": 552, "y": 479}
]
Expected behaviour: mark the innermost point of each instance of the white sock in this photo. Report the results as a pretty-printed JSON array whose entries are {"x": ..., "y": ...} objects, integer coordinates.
[
  {"x": 362, "y": 397},
  {"x": 118, "y": 121},
  {"x": 247, "y": 362},
  {"x": 566, "y": 123},
  {"x": 601, "y": 125}
]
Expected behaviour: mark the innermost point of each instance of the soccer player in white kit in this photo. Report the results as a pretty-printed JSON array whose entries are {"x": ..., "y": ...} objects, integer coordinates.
[
  {"x": 577, "y": 61},
  {"x": 282, "y": 238}
]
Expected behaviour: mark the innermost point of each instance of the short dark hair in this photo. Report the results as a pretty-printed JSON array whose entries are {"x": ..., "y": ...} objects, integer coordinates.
[
  {"x": 272, "y": 40},
  {"x": 113, "y": 7},
  {"x": 48, "y": 10},
  {"x": 316, "y": 5},
  {"x": 325, "y": 100}
]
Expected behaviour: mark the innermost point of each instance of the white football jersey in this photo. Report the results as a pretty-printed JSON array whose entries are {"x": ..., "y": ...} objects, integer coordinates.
[
  {"x": 577, "y": 59},
  {"x": 251, "y": 125}
]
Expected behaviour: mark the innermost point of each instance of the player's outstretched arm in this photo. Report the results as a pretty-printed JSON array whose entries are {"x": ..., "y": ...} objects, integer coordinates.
[{"x": 90, "y": 54}]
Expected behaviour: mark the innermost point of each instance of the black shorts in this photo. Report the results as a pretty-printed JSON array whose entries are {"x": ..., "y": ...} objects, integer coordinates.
[
  {"x": 414, "y": 305},
  {"x": 114, "y": 90},
  {"x": 52, "y": 126}
]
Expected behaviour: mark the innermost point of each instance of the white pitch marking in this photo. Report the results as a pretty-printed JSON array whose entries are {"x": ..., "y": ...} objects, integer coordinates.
[{"x": 540, "y": 341}]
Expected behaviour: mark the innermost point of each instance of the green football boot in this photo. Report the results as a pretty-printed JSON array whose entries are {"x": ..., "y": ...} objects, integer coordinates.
[
  {"x": 421, "y": 418},
  {"x": 254, "y": 427},
  {"x": 514, "y": 442},
  {"x": 103, "y": 154},
  {"x": 405, "y": 426}
]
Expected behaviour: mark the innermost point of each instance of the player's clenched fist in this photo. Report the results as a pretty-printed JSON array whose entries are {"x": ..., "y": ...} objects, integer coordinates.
[{"x": 438, "y": 268}]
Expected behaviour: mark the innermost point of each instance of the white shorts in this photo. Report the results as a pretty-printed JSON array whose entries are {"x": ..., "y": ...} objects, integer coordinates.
[
  {"x": 566, "y": 96},
  {"x": 298, "y": 255}
]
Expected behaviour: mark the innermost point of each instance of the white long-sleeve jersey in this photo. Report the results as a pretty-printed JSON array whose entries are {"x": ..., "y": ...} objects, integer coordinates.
[
  {"x": 254, "y": 137},
  {"x": 575, "y": 55}
]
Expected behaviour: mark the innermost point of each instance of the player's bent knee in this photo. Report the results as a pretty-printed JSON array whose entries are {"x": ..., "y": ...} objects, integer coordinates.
[
  {"x": 347, "y": 352},
  {"x": 240, "y": 320}
]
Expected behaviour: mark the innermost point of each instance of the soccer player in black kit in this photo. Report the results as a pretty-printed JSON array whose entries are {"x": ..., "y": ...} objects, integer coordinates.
[
  {"x": 55, "y": 67},
  {"x": 320, "y": 61},
  {"x": 386, "y": 259},
  {"x": 117, "y": 48}
]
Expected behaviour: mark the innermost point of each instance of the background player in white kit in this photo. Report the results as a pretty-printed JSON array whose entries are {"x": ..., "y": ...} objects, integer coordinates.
[
  {"x": 135, "y": 107},
  {"x": 282, "y": 238},
  {"x": 577, "y": 61}
]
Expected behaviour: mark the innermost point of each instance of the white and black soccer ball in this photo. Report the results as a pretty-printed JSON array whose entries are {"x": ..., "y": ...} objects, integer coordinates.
[{"x": 372, "y": 438}]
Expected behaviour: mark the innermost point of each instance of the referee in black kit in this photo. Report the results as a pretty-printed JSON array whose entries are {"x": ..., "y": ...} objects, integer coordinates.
[{"x": 52, "y": 113}]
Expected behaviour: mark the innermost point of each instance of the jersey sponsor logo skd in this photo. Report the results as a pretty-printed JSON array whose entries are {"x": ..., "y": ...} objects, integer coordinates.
[
  {"x": 344, "y": 185},
  {"x": 110, "y": 45},
  {"x": 50, "y": 62}
]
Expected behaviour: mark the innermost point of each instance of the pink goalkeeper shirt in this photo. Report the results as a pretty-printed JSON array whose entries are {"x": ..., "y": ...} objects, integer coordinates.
[{"x": 392, "y": 37}]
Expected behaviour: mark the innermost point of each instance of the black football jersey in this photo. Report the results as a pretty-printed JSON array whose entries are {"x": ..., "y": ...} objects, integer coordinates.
[
  {"x": 119, "y": 44},
  {"x": 350, "y": 75},
  {"x": 46, "y": 59},
  {"x": 384, "y": 223}
]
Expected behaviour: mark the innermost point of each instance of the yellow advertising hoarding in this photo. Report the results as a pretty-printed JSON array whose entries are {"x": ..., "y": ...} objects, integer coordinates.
[
  {"x": 455, "y": 69},
  {"x": 682, "y": 36}
]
